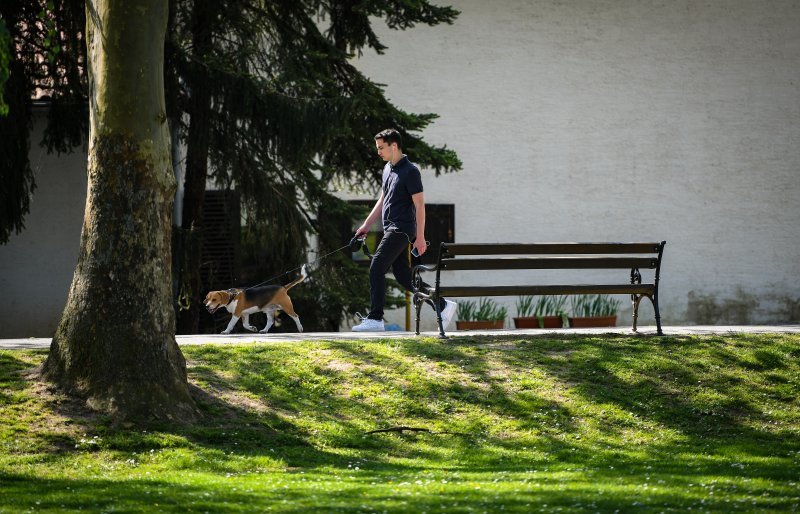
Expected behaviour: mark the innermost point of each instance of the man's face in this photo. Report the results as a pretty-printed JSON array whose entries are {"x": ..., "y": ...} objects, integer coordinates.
[{"x": 385, "y": 150}]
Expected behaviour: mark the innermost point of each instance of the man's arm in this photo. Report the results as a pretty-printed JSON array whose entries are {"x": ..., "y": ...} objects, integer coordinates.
[
  {"x": 372, "y": 218},
  {"x": 419, "y": 205}
]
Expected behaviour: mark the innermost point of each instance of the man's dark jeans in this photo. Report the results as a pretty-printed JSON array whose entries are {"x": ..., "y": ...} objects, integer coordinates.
[{"x": 391, "y": 253}]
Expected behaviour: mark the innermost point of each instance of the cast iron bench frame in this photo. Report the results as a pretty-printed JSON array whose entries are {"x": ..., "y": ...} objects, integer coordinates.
[{"x": 484, "y": 257}]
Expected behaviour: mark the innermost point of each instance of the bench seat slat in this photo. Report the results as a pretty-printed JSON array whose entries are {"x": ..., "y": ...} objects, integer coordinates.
[
  {"x": 453, "y": 249},
  {"x": 550, "y": 263},
  {"x": 457, "y": 291}
]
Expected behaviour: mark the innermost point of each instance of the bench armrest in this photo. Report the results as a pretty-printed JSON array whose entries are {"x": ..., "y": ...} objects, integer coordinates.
[
  {"x": 416, "y": 279},
  {"x": 423, "y": 267}
]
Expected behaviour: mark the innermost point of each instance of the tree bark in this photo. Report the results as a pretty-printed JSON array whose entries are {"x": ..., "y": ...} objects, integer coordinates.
[{"x": 115, "y": 344}]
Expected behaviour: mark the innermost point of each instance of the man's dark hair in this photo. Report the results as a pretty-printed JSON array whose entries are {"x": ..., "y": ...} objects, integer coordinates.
[{"x": 390, "y": 136}]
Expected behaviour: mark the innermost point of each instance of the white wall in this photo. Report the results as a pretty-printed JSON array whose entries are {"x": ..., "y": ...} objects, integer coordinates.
[
  {"x": 613, "y": 120},
  {"x": 36, "y": 266},
  {"x": 616, "y": 120}
]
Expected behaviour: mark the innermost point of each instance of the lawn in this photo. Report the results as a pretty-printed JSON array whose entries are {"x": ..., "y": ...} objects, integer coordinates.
[{"x": 507, "y": 424}]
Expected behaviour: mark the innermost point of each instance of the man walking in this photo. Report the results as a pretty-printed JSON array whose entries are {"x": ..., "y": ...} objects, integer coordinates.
[{"x": 402, "y": 209}]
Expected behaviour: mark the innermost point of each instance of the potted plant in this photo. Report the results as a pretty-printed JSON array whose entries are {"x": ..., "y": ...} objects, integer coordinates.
[
  {"x": 546, "y": 312},
  {"x": 594, "y": 311},
  {"x": 486, "y": 314}
]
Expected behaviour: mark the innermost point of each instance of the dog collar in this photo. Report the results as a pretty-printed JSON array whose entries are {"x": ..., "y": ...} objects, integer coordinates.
[{"x": 231, "y": 295}]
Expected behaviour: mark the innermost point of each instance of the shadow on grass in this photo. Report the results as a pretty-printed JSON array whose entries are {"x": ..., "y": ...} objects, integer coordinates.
[
  {"x": 656, "y": 393},
  {"x": 224, "y": 427},
  {"x": 359, "y": 386},
  {"x": 691, "y": 386},
  {"x": 375, "y": 491},
  {"x": 352, "y": 494},
  {"x": 11, "y": 378}
]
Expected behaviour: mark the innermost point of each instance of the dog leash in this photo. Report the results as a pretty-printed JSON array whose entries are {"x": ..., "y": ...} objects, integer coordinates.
[{"x": 355, "y": 244}]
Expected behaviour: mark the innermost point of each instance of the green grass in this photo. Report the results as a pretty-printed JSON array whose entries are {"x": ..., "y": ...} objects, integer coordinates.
[{"x": 550, "y": 424}]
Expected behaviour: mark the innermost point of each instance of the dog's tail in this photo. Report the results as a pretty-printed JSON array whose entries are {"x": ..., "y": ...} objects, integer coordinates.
[{"x": 303, "y": 276}]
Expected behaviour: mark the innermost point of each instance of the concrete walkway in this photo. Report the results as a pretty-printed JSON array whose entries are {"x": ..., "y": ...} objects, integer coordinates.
[{"x": 38, "y": 343}]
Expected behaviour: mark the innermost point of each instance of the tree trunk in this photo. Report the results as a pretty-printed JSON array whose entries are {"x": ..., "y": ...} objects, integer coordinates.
[
  {"x": 115, "y": 344},
  {"x": 191, "y": 235}
]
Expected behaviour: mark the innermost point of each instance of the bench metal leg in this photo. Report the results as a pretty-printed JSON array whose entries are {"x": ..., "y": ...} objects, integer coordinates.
[
  {"x": 658, "y": 315},
  {"x": 439, "y": 318},
  {"x": 418, "y": 306},
  {"x": 635, "y": 299},
  {"x": 655, "y": 293}
]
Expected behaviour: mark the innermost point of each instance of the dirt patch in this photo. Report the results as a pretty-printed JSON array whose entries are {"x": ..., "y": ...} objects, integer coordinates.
[
  {"x": 65, "y": 418},
  {"x": 337, "y": 365},
  {"x": 231, "y": 401}
]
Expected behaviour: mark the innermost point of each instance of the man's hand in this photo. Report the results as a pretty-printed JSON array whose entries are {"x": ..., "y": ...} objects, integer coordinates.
[
  {"x": 420, "y": 246},
  {"x": 374, "y": 215}
]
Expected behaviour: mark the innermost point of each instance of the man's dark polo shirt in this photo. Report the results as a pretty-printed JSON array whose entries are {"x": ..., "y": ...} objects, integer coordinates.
[{"x": 400, "y": 182}]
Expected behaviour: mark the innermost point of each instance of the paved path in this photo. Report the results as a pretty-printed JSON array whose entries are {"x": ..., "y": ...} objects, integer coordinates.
[{"x": 34, "y": 342}]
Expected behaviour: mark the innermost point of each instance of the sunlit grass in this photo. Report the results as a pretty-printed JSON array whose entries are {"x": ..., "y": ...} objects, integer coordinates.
[{"x": 550, "y": 424}]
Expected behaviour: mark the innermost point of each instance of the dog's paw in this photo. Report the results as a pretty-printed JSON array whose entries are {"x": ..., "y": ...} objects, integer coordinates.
[
  {"x": 251, "y": 328},
  {"x": 225, "y": 332},
  {"x": 263, "y": 331}
]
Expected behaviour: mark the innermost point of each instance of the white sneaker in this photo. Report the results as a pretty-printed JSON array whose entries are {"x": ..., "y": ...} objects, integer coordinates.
[
  {"x": 448, "y": 313},
  {"x": 369, "y": 325}
]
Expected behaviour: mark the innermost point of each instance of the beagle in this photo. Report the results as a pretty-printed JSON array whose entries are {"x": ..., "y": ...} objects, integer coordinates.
[{"x": 241, "y": 303}]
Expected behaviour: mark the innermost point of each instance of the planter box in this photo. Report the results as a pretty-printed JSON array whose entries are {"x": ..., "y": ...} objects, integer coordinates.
[
  {"x": 532, "y": 322},
  {"x": 595, "y": 321},
  {"x": 479, "y": 325}
]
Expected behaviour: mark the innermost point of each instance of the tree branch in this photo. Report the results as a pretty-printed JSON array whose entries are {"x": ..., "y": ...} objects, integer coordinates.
[{"x": 402, "y": 429}]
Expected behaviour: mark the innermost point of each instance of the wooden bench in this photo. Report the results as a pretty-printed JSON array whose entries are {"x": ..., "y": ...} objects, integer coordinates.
[{"x": 515, "y": 256}]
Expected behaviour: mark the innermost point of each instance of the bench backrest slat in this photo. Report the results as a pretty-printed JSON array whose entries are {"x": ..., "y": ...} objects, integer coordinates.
[
  {"x": 454, "y": 249},
  {"x": 550, "y": 263},
  {"x": 547, "y": 290}
]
